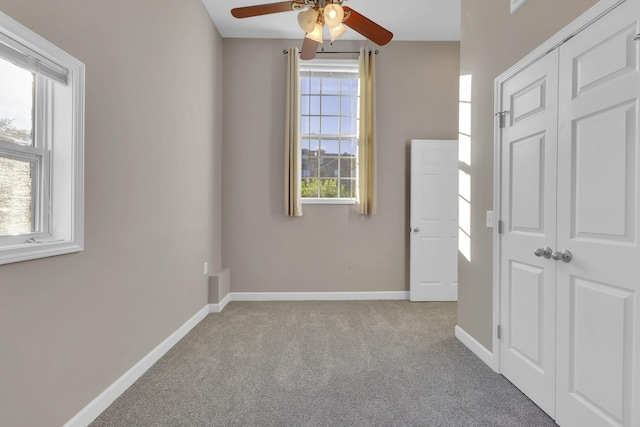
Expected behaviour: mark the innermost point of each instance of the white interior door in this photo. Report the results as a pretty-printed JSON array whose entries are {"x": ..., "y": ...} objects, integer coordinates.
[
  {"x": 528, "y": 211},
  {"x": 598, "y": 290},
  {"x": 434, "y": 220}
]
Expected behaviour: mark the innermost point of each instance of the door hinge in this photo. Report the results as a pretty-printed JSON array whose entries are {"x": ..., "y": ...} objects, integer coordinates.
[
  {"x": 499, "y": 332},
  {"x": 500, "y": 226},
  {"x": 501, "y": 115}
]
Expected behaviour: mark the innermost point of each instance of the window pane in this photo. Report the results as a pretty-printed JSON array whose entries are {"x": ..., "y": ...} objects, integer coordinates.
[
  {"x": 312, "y": 166},
  {"x": 305, "y": 167},
  {"x": 350, "y": 86},
  {"x": 304, "y": 85},
  {"x": 330, "y": 105},
  {"x": 314, "y": 145},
  {"x": 314, "y": 105},
  {"x": 330, "y": 86},
  {"x": 330, "y": 125},
  {"x": 15, "y": 196},
  {"x": 314, "y": 127},
  {"x": 331, "y": 146},
  {"x": 329, "y": 188},
  {"x": 314, "y": 85},
  {"x": 348, "y": 146},
  {"x": 348, "y": 167},
  {"x": 348, "y": 188},
  {"x": 16, "y": 104},
  {"x": 348, "y": 126},
  {"x": 304, "y": 105},
  {"x": 309, "y": 187},
  {"x": 304, "y": 125},
  {"x": 329, "y": 167},
  {"x": 349, "y": 105}
]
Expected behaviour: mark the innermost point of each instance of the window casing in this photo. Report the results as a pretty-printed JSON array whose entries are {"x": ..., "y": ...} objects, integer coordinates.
[
  {"x": 329, "y": 131},
  {"x": 41, "y": 146}
]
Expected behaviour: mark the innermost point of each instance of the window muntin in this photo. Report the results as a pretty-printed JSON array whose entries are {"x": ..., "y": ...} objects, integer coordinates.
[{"x": 329, "y": 130}]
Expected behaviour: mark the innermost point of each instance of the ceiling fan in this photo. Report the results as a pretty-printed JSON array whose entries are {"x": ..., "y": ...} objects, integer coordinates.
[{"x": 314, "y": 14}]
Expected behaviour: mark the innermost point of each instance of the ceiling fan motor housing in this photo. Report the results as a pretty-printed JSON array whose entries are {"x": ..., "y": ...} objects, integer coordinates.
[{"x": 320, "y": 4}]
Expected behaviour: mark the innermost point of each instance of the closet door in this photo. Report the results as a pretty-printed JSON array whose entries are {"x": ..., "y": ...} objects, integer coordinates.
[
  {"x": 598, "y": 346},
  {"x": 527, "y": 277}
]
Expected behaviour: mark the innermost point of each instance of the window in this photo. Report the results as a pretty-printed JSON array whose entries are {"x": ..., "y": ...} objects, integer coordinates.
[
  {"x": 41, "y": 146},
  {"x": 329, "y": 130}
]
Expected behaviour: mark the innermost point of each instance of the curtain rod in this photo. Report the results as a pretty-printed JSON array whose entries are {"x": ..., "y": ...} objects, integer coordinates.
[{"x": 322, "y": 52}]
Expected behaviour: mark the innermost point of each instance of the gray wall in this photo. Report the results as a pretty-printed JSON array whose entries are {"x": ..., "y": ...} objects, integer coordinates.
[
  {"x": 330, "y": 248},
  {"x": 71, "y": 325},
  {"x": 493, "y": 40}
]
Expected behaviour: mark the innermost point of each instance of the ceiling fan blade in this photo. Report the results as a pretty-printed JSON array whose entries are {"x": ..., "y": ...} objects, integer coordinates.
[
  {"x": 309, "y": 49},
  {"x": 366, "y": 27},
  {"x": 263, "y": 9}
]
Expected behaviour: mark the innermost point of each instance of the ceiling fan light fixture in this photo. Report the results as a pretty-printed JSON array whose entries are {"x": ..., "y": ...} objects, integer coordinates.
[
  {"x": 316, "y": 34},
  {"x": 333, "y": 15},
  {"x": 307, "y": 20},
  {"x": 337, "y": 31}
]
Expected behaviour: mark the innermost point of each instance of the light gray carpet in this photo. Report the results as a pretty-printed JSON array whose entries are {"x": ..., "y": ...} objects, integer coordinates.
[{"x": 347, "y": 363}]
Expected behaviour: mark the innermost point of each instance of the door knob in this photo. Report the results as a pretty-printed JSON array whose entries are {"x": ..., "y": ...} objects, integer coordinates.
[
  {"x": 564, "y": 256},
  {"x": 416, "y": 229},
  {"x": 546, "y": 252}
]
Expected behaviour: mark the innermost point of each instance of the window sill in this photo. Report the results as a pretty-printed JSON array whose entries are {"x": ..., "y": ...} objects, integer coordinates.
[
  {"x": 327, "y": 201},
  {"x": 35, "y": 250},
  {"x": 31, "y": 251}
]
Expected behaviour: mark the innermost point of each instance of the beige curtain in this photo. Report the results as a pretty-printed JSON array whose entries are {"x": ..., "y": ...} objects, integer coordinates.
[
  {"x": 292, "y": 163},
  {"x": 366, "y": 188}
]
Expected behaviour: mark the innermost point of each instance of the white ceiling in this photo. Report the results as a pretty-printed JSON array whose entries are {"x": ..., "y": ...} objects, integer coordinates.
[{"x": 420, "y": 20}]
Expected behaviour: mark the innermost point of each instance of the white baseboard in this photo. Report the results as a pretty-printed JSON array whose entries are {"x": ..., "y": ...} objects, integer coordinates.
[
  {"x": 478, "y": 349},
  {"x": 107, "y": 397},
  {"x": 318, "y": 296},
  {"x": 217, "y": 308}
]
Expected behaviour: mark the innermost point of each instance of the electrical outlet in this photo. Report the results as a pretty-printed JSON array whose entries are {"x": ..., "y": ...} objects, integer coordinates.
[
  {"x": 206, "y": 268},
  {"x": 490, "y": 219}
]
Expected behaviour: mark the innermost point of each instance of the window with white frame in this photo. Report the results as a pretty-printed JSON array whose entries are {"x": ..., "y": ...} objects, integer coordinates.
[
  {"x": 41, "y": 146},
  {"x": 329, "y": 130}
]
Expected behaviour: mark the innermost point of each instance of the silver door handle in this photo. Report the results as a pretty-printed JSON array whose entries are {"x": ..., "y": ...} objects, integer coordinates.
[
  {"x": 546, "y": 252},
  {"x": 564, "y": 256},
  {"x": 416, "y": 229}
]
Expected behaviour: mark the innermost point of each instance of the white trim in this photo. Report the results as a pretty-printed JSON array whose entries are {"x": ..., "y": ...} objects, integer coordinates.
[
  {"x": 318, "y": 296},
  {"x": 478, "y": 349},
  {"x": 107, "y": 397},
  {"x": 349, "y": 65},
  {"x": 497, "y": 217},
  {"x": 583, "y": 21},
  {"x": 217, "y": 308}
]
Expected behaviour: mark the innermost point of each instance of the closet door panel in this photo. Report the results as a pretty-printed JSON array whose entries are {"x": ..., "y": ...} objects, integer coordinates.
[
  {"x": 598, "y": 331},
  {"x": 528, "y": 209}
]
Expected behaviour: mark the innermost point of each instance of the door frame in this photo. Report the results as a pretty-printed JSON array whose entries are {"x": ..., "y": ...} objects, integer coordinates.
[{"x": 583, "y": 21}]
